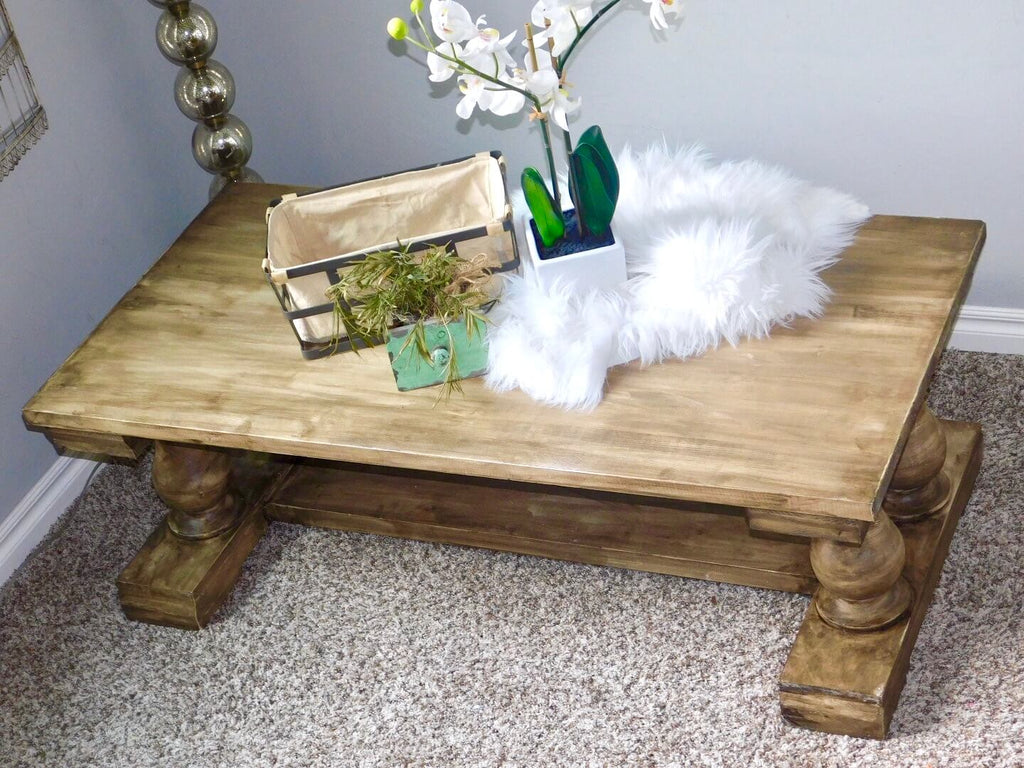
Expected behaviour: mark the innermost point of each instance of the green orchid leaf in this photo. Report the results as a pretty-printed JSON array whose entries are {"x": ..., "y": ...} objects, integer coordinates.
[
  {"x": 578, "y": 204},
  {"x": 595, "y": 138},
  {"x": 595, "y": 205},
  {"x": 548, "y": 219}
]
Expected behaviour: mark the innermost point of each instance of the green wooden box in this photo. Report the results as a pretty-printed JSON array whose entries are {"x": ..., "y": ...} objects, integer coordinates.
[{"x": 413, "y": 371}]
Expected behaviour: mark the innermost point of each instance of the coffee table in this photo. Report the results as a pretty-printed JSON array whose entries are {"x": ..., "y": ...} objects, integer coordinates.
[{"x": 805, "y": 462}]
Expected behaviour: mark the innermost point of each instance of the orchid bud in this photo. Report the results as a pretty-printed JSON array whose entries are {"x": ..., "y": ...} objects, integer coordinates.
[
  {"x": 416, "y": 6},
  {"x": 398, "y": 29}
]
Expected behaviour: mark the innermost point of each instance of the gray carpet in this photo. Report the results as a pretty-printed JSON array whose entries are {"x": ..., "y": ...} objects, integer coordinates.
[{"x": 351, "y": 650}]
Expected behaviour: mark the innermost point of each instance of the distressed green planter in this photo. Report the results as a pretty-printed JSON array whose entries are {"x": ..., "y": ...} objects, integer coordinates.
[{"x": 412, "y": 371}]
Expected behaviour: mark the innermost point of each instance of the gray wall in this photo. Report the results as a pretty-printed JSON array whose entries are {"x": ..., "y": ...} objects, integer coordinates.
[
  {"x": 914, "y": 107},
  {"x": 91, "y": 206}
]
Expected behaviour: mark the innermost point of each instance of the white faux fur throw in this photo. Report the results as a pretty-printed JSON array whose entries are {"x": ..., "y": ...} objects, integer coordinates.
[{"x": 713, "y": 251}]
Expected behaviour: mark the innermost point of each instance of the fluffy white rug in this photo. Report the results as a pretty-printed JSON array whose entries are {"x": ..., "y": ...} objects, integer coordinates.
[{"x": 713, "y": 250}]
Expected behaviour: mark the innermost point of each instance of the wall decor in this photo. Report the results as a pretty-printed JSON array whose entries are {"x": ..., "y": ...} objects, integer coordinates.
[
  {"x": 22, "y": 118},
  {"x": 204, "y": 91}
]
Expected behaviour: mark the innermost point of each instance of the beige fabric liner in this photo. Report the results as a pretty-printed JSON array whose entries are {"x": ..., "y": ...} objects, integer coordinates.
[{"x": 428, "y": 205}]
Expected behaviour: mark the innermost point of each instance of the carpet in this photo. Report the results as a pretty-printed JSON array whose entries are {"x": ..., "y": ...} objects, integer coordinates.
[{"x": 343, "y": 649}]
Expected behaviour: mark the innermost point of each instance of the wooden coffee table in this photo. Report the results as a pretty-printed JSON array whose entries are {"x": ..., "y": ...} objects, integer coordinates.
[{"x": 805, "y": 462}]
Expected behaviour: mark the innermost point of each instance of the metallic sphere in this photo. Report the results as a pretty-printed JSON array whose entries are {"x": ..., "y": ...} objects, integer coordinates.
[
  {"x": 187, "y": 39},
  {"x": 222, "y": 148},
  {"x": 206, "y": 92}
]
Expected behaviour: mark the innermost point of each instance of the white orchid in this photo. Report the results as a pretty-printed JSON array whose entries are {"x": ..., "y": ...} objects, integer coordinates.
[
  {"x": 451, "y": 21},
  {"x": 440, "y": 68},
  {"x": 478, "y": 93},
  {"x": 487, "y": 51},
  {"x": 473, "y": 89},
  {"x": 561, "y": 22},
  {"x": 559, "y": 106},
  {"x": 658, "y": 10},
  {"x": 552, "y": 94},
  {"x": 505, "y": 102},
  {"x": 488, "y": 84},
  {"x": 487, "y": 75}
]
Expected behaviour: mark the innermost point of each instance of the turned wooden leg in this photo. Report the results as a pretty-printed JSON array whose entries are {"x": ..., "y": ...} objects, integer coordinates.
[
  {"x": 194, "y": 483},
  {"x": 862, "y": 587},
  {"x": 849, "y": 661},
  {"x": 920, "y": 486},
  {"x": 189, "y": 565}
]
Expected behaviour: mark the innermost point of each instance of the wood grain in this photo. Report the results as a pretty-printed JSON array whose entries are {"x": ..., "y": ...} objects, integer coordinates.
[
  {"x": 181, "y": 582},
  {"x": 809, "y": 421},
  {"x": 795, "y": 525},
  {"x": 848, "y": 682},
  {"x": 681, "y": 539},
  {"x": 67, "y": 441},
  {"x": 862, "y": 587},
  {"x": 919, "y": 487},
  {"x": 195, "y": 483}
]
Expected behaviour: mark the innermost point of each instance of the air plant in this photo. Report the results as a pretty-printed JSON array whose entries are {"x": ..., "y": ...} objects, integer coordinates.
[{"x": 414, "y": 288}]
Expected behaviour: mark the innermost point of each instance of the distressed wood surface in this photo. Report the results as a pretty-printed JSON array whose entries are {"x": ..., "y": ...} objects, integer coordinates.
[
  {"x": 181, "y": 582},
  {"x": 679, "y": 538},
  {"x": 919, "y": 486},
  {"x": 195, "y": 483},
  {"x": 847, "y": 682},
  {"x": 790, "y": 525},
  {"x": 121, "y": 447},
  {"x": 808, "y": 421}
]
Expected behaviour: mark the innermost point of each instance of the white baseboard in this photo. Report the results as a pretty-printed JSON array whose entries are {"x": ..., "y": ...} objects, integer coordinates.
[
  {"x": 25, "y": 527},
  {"x": 989, "y": 329}
]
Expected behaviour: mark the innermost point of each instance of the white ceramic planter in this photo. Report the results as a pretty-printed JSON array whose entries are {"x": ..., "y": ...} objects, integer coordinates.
[
  {"x": 599, "y": 268},
  {"x": 603, "y": 268}
]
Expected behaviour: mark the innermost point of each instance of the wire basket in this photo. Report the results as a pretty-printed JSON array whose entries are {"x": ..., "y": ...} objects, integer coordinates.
[{"x": 313, "y": 236}]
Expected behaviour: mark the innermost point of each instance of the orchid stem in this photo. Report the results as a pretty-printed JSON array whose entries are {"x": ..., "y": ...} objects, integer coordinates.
[
  {"x": 563, "y": 60},
  {"x": 467, "y": 69},
  {"x": 545, "y": 132},
  {"x": 545, "y": 129},
  {"x": 566, "y": 139},
  {"x": 423, "y": 29}
]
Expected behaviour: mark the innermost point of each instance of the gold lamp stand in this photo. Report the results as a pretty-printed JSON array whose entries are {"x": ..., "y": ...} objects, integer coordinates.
[{"x": 204, "y": 91}]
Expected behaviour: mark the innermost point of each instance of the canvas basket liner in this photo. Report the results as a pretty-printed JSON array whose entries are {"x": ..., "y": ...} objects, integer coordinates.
[{"x": 312, "y": 236}]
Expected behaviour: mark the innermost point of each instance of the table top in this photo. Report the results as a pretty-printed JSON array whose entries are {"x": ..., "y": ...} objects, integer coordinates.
[{"x": 810, "y": 420}]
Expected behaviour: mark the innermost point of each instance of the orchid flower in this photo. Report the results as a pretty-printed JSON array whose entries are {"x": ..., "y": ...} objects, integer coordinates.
[
  {"x": 473, "y": 90},
  {"x": 478, "y": 93},
  {"x": 658, "y": 10},
  {"x": 451, "y": 21},
  {"x": 487, "y": 50},
  {"x": 560, "y": 106},
  {"x": 552, "y": 94},
  {"x": 440, "y": 68},
  {"x": 487, "y": 74},
  {"x": 561, "y": 21}
]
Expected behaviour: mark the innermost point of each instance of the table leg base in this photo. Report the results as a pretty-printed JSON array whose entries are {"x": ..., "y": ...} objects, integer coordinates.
[
  {"x": 180, "y": 583},
  {"x": 846, "y": 682}
]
